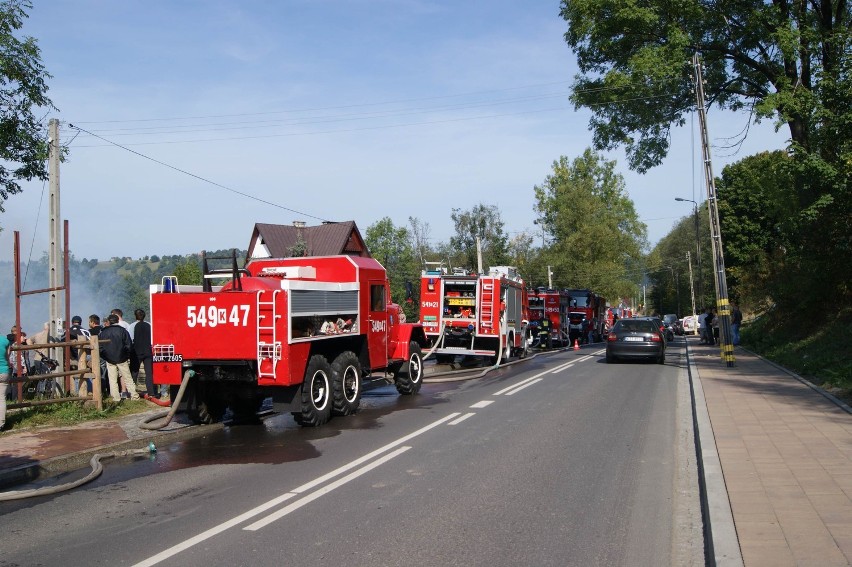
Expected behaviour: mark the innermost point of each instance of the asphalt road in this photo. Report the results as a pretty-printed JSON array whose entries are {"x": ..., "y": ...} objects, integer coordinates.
[{"x": 562, "y": 460}]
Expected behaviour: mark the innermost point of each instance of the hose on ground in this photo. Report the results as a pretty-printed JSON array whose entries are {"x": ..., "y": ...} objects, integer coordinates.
[
  {"x": 148, "y": 424},
  {"x": 97, "y": 469}
]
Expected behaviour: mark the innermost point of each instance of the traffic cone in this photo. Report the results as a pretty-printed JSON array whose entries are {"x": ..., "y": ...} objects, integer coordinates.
[{"x": 576, "y": 344}]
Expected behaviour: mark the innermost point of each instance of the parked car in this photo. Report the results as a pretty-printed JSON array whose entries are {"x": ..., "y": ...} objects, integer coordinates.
[
  {"x": 671, "y": 323},
  {"x": 636, "y": 338}
]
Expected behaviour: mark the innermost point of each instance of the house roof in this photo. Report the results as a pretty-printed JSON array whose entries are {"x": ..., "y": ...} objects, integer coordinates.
[{"x": 327, "y": 239}]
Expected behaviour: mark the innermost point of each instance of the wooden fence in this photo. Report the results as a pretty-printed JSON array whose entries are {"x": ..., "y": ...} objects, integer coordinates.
[{"x": 88, "y": 367}]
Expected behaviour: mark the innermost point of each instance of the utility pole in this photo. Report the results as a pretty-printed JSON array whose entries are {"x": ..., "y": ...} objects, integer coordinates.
[
  {"x": 724, "y": 312},
  {"x": 692, "y": 290},
  {"x": 54, "y": 253},
  {"x": 549, "y": 278}
]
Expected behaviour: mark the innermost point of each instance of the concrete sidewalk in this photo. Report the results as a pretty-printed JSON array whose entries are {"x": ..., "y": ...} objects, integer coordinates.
[{"x": 785, "y": 449}]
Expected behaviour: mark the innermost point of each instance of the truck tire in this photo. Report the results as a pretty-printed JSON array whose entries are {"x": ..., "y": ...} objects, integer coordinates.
[
  {"x": 410, "y": 375},
  {"x": 346, "y": 383},
  {"x": 316, "y": 393}
]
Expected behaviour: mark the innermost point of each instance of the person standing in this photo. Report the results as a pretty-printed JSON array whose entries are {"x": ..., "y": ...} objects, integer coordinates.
[
  {"x": 144, "y": 354},
  {"x": 5, "y": 372},
  {"x": 121, "y": 322},
  {"x": 116, "y": 353},
  {"x": 736, "y": 321}
]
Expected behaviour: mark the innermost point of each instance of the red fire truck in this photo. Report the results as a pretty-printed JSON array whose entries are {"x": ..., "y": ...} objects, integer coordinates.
[
  {"x": 550, "y": 304},
  {"x": 474, "y": 314},
  {"x": 305, "y": 331},
  {"x": 587, "y": 311}
]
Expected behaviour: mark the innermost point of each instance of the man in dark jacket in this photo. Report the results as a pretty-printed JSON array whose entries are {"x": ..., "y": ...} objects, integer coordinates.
[
  {"x": 116, "y": 353},
  {"x": 144, "y": 355}
]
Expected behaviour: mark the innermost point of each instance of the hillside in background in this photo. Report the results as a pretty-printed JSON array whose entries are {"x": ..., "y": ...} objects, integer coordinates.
[{"x": 96, "y": 286}]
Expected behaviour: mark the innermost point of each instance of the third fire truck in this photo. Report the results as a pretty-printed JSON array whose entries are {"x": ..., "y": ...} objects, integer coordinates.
[
  {"x": 586, "y": 312},
  {"x": 548, "y": 310},
  {"x": 472, "y": 314}
]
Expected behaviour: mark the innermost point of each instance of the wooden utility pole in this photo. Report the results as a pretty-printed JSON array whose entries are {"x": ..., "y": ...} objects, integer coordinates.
[
  {"x": 723, "y": 306},
  {"x": 54, "y": 254}
]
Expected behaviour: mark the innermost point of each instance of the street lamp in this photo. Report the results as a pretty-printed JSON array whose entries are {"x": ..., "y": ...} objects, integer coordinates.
[{"x": 698, "y": 250}]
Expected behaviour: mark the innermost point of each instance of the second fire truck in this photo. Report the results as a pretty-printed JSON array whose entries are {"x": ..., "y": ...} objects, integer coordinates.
[{"x": 472, "y": 314}]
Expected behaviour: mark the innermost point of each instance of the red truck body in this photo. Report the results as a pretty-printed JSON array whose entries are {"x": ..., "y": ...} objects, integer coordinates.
[
  {"x": 551, "y": 304},
  {"x": 273, "y": 323},
  {"x": 473, "y": 314},
  {"x": 587, "y": 311}
]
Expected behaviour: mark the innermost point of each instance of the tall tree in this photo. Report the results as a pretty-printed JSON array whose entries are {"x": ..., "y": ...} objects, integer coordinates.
[
  {"x": 391, "y": 246},
  {"x": 787, "y": 59},
  {"x": 23, "y": 91},
  {"x": 485, "y": 224},
  {"x": 596, "y": 238}
]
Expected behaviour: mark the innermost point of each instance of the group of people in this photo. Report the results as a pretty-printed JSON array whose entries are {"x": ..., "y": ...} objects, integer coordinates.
[
  {"x": 709, "y": 324},
  {"x": 124, "y": 349}
]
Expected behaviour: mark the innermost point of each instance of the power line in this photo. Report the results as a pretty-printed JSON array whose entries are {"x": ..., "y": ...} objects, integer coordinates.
[{"x": 241, "y": 193}]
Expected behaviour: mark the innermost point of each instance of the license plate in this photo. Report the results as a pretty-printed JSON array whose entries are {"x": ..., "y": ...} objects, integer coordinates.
[{"x": 634, "y": 339}]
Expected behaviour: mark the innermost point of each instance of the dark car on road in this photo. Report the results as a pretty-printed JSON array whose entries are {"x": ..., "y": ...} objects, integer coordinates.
[{"x": 636, "y": 338}]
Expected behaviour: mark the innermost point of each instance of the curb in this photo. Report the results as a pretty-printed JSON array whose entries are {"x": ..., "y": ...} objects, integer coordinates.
[{"x": 723, "y": 547}]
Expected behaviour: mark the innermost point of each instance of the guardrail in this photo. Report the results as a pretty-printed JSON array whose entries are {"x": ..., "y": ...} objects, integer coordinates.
[{"x": 89, "y": 353}]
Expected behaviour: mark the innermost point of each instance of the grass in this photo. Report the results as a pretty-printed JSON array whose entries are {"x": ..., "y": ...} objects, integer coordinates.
[
  {"x": 71, "y": 413},
  {"x": 816, "y": 348}
]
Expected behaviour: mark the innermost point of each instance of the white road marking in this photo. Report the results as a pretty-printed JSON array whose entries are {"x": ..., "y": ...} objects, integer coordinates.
[
  {"x": 561, "y": 368},
  {"x": 184, "y": 545},
  {"x": 323, "y": 491},
  {"x": 482, "y": 404},
  {"x": 462, "y": 418},
  {"x": 516, "y": 390}
]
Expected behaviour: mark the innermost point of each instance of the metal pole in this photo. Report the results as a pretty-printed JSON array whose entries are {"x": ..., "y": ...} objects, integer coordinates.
[{"x": 724, "y": 314}]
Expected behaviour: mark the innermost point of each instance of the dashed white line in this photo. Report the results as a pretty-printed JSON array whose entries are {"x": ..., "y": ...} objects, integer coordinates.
[
  {"x": 462, "y": 418},
  {"x": 482, "y": 404},
  {"x": 323, "y": 491},
  {"x": 516, "y": 390},
  {"x": 184, "y": 545}
]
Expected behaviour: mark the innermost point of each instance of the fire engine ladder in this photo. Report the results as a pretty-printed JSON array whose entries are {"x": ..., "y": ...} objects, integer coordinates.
[
  {"x": 268, "y": 345},
  {"x": 486, "y": 305}
]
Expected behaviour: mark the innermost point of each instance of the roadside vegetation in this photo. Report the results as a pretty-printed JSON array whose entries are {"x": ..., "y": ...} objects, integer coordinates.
[
  {"x": 815, "y": 348},
  {"x": 71, "y": 413}
]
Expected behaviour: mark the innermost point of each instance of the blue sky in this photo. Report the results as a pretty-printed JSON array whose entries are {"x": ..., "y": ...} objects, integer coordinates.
[{"x": 338, "y": 110}]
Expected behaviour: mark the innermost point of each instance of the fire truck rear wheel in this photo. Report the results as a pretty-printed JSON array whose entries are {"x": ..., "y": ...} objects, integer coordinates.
[
  {"x": 316, "y": 393},
  {"x": 346, "y": 385},
  {"x": 410, "y": 375}
]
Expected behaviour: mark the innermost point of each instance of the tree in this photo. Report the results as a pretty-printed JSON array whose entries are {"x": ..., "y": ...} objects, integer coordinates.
[
  {"x": 759, "y": 228},
  {"x": 188, "y": 272},
  {"x": 482, "y": 222},
  {"x": 596, "y": 238},
  {"x": 785, "y": 59},
  {"x": 789, "y": 60},
  {"x": 391, "y": 246},
  {"x": 420, "y": 234},
  {"x": 23, "y": 90}
]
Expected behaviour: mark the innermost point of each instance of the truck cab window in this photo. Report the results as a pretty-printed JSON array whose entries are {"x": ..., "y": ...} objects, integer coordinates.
[{"x": 377, "y": 297}]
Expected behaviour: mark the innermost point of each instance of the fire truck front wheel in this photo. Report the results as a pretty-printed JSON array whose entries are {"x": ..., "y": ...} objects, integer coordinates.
[
  {"x": 316, "y": 393},
  {"x": 346, "y": 385},
  {"x": 410, "y": 375}
]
